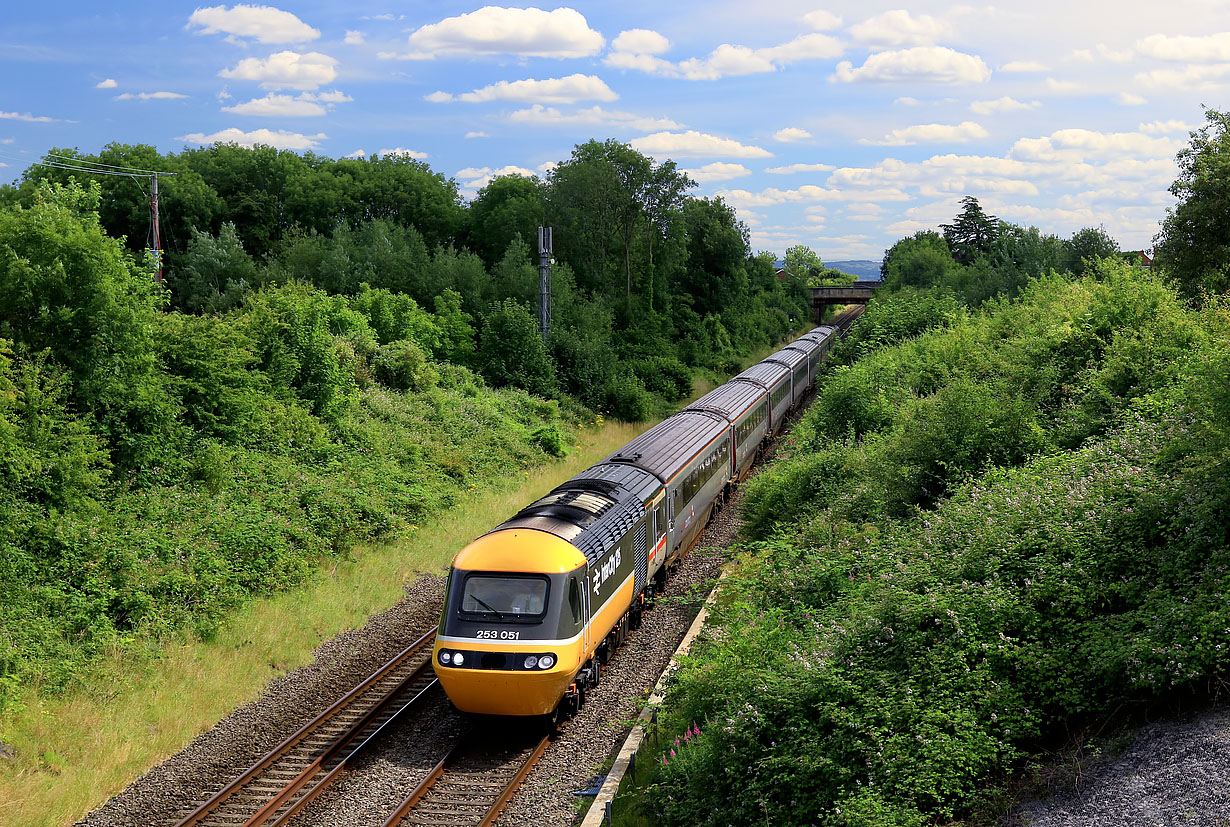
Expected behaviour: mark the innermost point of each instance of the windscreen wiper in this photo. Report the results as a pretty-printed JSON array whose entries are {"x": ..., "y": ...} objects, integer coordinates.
[{"x": 487, "y": 606}]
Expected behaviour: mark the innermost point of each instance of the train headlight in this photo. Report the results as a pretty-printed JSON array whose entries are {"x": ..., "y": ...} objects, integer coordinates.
[
  {"x": 530, "y": 661},
  {"x": 546, "y": 661},
  {"x": 458, "y": 659},
  {"x": 445, "y": 657}
]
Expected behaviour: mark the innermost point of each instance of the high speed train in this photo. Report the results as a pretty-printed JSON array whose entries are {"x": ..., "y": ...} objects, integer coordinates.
[{"x": 534, "y": 608}]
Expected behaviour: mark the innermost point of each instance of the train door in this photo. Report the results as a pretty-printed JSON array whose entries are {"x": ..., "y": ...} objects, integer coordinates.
[
  {"x": 660, "y": 527},
  {"x": 583, "y": 585}
]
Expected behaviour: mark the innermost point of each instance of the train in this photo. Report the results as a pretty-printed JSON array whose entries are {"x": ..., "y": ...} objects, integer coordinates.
[{"x": 534, "y": 608}]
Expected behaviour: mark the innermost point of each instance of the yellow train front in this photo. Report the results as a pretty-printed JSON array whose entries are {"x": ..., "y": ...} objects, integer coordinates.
[{"x": 533, "y": 607}]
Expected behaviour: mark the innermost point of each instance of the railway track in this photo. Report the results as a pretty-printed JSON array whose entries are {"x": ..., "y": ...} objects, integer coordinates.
[
  {"x": 273, "y": 790},
  {"x": 473, "y": 783}
]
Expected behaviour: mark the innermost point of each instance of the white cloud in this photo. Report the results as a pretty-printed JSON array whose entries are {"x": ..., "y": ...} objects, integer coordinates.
[
  {"x": 286, "y": 70},
  {"x": 1062, "y": 87},
  {"x": 264, "y": 23},
  {"x": 906, "y": 100},
  {"x": 109, "y": 83},
  {"x": 922, "y": 64},
  {"x": 274, "y": 105},
  {"x": 808, "y": 194},
  {"x": 1187, "y": 78},
  {"x": 594, "y": 116},
  {"x": 358, "y": 153},
  {"x": 333, "y": 96},
  {"x": 900, "y": 28},
  {"x": 477, "y": 135},
  {"x": 931, "y": 133},
  {"x": 731, "y": 60},
  {"x": 1165, "y": 127},
  {"x": 1024, "y": 66},
  {"x": 1114, "y": 55},
  {"x": 280, "y": 139},
  {"x": 475, "y": 178},
  {"x": 353, "y": 38},
  {"x": 641, "y": 42},
  {"x": 1082, "y": 56},
  {"x": 561, "y": 33},
  {"x": 821, "y": 20},
  {"x": 693, "y": 144},
  {"x": 28, "y": 118},
  {"x": 1082, "y": 144},
  {"x": 1004, "y": 104},
  {"x": 149, "y": 96},
  {"x": 1130, "y": 99},
  {"x": 547, "y": 166},
  {"x": 717, "y": 171},
  {"x": 568, "y": 89},
  {"x": 1187, "y": 49},
  {"x": 400, "y": 152},
  {"x": 793, "y": 168},
  {"x": 791, "y": 133}
]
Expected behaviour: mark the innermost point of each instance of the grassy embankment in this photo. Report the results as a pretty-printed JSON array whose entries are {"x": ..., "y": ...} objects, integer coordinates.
[
  {"x": 1008, "y": 528},
  {"x": 130, "y": 711}
]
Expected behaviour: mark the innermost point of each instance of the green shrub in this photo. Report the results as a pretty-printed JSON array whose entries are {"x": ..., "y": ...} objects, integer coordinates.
[
  {"x": 627, "y": 399},
  {"x": 402, "y": 365}
]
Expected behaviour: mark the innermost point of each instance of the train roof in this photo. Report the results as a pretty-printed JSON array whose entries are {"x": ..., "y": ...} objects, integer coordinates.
[
  {"x": 818, "y": 334},
  {"x": 788, "y": 356},
  {"x": 666, "y": 448},
  {"x": 593, "y": 509},
  {"x": 764, "y": 374},
  {"x": 731, "y": 400}
]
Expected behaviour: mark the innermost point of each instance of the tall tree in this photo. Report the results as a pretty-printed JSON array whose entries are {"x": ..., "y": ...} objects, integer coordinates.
[
  {"x": 1194, "y": 244},
  {"x": 971, "y": 234}
]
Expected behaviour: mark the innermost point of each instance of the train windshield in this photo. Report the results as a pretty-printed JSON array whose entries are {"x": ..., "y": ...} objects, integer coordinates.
[{"x": 503, "y": 597}]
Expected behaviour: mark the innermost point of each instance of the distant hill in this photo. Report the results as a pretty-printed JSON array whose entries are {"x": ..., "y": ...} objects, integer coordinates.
[{"x": 865, "y": 270}]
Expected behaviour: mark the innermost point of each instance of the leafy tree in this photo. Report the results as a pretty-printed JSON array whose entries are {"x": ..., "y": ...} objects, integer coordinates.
[
  {"x": 717, "y": 244},
  {"x": 511, "y": 350},
  {"x": 70, "y": 289},
  {"x": 214, "y": 273},
  {"x": 1194, "y": 244},
  {"x": 802, "y": 263},
  {"x": 510, "y": 207},
  {"x": 921, "y": 260},
  {"x": 456, "y": 329},
  {"x": 971, "y": 234},
  {"x": 1088, "y": 246}
]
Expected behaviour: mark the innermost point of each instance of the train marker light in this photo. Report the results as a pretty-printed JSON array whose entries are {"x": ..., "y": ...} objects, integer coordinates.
[
  {"x": 458, "y": 659},
  {"x": 546, "y": 661},
  {"x": 530, "y": 661},
  {"x": 445, "y": 657}
]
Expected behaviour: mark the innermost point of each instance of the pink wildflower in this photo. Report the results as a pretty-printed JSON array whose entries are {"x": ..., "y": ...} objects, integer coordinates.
[{"x": 672, "y": 753}]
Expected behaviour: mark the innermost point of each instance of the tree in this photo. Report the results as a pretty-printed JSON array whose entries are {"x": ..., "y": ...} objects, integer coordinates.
[
  {"x": 971, "y": 234},
  {"x": 802, "y": 263},
  {"x": 214, "y": 272},
  {"x": 511, "y": 351},
  {"x": 73, "y": 291},
  {"x": 922, "y": 260},
  {"x": 510, "y": 207},
  {"x": 1193, "y": 247},
  {"x": 1088, "y": 246}
]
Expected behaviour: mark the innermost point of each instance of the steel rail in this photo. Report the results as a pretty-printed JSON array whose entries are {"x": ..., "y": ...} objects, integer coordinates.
[
  {"x": 465, "y": 749},
  {"x": 316, "y": 753}
]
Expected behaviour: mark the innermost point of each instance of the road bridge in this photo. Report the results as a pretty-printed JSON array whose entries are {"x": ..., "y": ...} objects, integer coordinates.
[{"x": 859, "y": 292}]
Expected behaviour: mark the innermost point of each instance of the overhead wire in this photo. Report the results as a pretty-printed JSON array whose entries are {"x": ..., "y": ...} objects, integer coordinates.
[{"x": 69, "y": 158}]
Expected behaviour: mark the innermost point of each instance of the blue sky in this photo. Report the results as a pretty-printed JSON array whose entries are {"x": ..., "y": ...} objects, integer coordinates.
[{"x": 843, "y": 126}]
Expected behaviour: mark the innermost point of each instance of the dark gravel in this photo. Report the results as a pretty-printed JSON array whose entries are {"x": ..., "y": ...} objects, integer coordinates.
[{"x": 1175, "y": 774}]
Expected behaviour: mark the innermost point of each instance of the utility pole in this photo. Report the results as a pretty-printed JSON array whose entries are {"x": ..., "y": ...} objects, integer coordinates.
[
  {"x": 544, "y": 280},
  {"x": 153, "y": 208}
]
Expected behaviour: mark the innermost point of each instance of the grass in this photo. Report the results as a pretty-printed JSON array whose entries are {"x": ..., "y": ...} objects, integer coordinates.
[{"x": 76, "y": 750}]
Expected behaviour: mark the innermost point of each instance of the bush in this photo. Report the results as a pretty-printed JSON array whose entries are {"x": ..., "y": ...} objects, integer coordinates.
[
  {"x": 403, "y": 366},
  {"x": 627, "y": 399}
]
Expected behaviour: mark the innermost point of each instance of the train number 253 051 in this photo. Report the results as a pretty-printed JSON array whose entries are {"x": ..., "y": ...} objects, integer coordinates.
[{"x": 494, "y": 634}]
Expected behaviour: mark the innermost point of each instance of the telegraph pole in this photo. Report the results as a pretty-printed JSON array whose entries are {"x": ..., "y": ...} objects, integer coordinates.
[
  {"x": 153, "y": 208},
  {"x": 544, "y": 280}
]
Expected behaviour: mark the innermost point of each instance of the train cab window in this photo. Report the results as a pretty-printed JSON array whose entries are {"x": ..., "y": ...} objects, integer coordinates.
[
  {"x": 504, "y": 598},
  {"x": 574, "y": 600}
]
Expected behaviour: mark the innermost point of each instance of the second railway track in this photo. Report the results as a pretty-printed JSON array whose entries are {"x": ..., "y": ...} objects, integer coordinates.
[{"x": 276, "y": 788}]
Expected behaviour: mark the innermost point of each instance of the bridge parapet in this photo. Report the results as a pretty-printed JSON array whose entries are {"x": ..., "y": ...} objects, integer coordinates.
[{"x": 859, "y": 292}]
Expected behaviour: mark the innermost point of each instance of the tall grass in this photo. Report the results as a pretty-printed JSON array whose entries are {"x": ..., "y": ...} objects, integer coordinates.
[{"x": 76, "y": 750}]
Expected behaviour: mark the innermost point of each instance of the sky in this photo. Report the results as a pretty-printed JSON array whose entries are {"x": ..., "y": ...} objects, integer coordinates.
[{"x": 843, "y": 126}]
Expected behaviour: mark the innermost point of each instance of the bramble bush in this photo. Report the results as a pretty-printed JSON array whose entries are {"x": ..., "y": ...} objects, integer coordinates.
[{"x": 878, "y": 666}]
